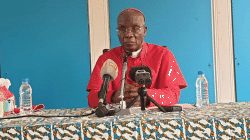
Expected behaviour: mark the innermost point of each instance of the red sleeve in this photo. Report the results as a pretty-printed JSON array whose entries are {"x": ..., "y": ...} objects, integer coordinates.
[
  {"x": 166, "y": 96},
  {"x": 169, "y": 81},
  {"x": 169, "y": 72},
  {"x": 95, "y": 83}
]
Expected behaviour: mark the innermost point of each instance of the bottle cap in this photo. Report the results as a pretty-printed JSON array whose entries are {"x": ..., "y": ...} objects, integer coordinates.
[
  {"x": 26, "y": 80},
  {"x": 200, "y": 72}
]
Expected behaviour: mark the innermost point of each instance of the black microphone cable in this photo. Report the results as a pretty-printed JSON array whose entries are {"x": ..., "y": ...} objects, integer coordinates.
[{"x": 48, "y": 116}]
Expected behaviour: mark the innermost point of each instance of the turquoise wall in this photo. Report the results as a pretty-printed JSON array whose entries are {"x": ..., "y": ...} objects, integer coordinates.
[
  {"x": 241, "y": 35},
  {"x": 48, "y": 42},
  {"x": 185, "y": 27}
]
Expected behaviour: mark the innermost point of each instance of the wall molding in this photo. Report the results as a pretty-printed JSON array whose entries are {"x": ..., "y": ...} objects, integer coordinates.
[
  {"x": 99, "y": 35},
  {"x": 223, "y": 51}
]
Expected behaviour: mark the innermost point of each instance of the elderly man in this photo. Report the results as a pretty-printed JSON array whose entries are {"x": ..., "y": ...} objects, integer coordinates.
[{"x": 167, "y": 79}]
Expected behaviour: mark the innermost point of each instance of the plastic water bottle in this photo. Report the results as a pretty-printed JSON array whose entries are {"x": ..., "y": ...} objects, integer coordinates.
[
  {"x": 202, "y": 90},
  {"x": 25, "y": 92}
]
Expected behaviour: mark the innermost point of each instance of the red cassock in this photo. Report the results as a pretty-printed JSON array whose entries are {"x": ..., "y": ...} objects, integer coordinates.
[{"x": 167, "y": 79}]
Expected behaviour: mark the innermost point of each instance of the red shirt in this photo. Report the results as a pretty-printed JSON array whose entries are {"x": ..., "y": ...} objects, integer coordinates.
[{"x": 167, "y": 79}]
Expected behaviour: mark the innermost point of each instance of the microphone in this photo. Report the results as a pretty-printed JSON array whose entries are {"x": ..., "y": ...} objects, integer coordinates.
[
  {"x": 129, "y": 53},
  {"x": 141, "y": 74},
  {"x": 109, "y": 72},
  {"x": 109, "y": 67}
]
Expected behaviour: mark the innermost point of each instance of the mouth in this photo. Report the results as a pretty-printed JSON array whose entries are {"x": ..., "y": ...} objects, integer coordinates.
[{"x": 129, "y": 43}]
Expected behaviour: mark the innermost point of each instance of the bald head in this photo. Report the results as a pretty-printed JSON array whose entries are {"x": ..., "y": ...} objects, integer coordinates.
[{"x": 129, "y": 12}]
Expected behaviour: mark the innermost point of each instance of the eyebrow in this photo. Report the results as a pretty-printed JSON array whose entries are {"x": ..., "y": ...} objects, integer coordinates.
[{"x": 123, "y": 26}]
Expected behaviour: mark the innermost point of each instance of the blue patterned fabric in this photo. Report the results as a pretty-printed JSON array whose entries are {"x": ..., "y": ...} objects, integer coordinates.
[{"x": 217, "y": 121}]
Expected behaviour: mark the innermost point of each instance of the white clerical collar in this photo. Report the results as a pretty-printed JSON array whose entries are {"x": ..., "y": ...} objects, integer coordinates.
[{"x": 136, "y": 53}]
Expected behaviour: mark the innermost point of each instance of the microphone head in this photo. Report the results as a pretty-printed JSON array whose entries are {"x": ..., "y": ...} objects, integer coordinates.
[
  {"x": 133, "y": 71},
  {"x": 109, "y": 67},
  {"x": 129, "y": 53}
]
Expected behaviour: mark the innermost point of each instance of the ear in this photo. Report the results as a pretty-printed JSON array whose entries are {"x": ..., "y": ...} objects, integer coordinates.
[{"x": 145, "y": 30}]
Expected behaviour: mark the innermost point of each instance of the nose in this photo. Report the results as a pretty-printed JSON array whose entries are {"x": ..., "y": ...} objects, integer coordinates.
[{"x": 128, "y": 33}]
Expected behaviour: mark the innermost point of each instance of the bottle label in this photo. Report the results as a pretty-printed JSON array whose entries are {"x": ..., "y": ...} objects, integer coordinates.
[{"x": 206, "y": 91}]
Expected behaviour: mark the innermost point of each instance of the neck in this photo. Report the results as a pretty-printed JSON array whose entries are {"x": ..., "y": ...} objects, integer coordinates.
[{"x": 135, "y": 53}]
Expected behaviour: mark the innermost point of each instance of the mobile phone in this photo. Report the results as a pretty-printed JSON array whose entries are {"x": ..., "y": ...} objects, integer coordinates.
[{"x": 172, "y": 108}]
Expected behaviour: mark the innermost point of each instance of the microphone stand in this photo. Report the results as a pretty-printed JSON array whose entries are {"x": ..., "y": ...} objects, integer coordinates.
[
  {"x": 123, "y": 109},
  {"x": 142, "y": 92},
  {"x": 123, "y": 79}
]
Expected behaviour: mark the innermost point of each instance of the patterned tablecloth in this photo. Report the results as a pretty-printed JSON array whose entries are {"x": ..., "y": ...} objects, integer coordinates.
[{"x": 217, "y": 121}]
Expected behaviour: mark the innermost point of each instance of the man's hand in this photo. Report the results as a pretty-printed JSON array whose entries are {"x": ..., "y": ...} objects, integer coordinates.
[{"x": 131, "y": 91}]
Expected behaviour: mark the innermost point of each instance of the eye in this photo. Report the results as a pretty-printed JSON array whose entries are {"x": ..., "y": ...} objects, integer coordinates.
[
  {"x": 123, "y": 29},
  {"x": 136, "y": 28}
]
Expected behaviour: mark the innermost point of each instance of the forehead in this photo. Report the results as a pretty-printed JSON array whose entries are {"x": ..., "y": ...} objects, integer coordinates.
[{"x": 130, "y": 18}]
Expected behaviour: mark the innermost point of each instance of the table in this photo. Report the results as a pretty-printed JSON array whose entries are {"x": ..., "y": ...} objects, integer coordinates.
[{"x": 217, "y": 121}]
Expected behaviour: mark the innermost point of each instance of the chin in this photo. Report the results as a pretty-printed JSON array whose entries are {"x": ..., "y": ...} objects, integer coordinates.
[{"x": 131, "y": 49}]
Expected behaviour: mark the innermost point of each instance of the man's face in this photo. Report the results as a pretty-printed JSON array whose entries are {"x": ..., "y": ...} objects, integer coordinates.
[{"x": 133, "y": 22}]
